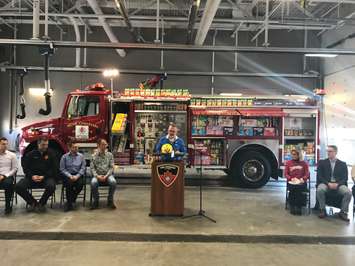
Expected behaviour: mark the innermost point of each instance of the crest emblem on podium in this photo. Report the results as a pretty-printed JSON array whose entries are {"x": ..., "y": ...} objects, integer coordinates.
[{"x": 167, "y": 174}]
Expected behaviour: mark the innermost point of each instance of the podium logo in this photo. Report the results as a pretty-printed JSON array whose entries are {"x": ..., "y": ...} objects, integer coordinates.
[{"x": 167, "y": 174}]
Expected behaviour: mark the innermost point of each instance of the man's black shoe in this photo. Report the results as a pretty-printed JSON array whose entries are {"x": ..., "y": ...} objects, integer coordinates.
[
  {"x": 322, "y": 214},
  {"x": 8, "y": 210},
  {"x": 42, "y": 208},
  {"x": 111, "y": 205},
  {"x": 32, "y": 207},
  {"x": 94, "y": 206},
  {"x": 343, "y": 216},
  {"x": 68, "y": 207}
]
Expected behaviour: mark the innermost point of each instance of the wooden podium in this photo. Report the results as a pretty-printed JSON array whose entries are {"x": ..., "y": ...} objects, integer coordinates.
[{"x": 167, "y": 189}]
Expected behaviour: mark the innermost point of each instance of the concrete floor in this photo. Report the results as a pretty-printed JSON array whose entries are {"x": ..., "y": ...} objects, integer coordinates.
[
  {"x": 247, "y": 213},
  {"x": 68, "y": 253}
]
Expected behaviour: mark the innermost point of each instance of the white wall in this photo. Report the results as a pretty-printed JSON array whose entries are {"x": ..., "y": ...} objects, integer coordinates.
[{"x": 339, "y": 82}]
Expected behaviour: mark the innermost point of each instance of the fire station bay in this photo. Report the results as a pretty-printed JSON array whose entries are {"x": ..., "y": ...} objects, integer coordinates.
[{"x": 177, "y": 132}]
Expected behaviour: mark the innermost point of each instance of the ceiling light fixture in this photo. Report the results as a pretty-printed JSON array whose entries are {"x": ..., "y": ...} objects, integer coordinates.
[
  {"x": 39, "y": 91},
  {"x": 322, "y": 55},
  {"x": 231, "y": 94}
]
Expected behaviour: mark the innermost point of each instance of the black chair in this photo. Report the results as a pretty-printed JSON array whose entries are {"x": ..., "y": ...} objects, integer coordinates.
[
  {"x": 307, "y": 192},
  {"x": 82, "y": 194},
  {"x": 103, "y": 190},
  {"x": 14, "y": 195},
  {"x": 333, "y": 200},
  {"x": 37, "y": 192}
]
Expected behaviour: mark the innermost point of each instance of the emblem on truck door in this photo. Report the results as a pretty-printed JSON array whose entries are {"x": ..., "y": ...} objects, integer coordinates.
[
  {"x": 81, "y": 132},
  {"x": 167, "y": 174}
]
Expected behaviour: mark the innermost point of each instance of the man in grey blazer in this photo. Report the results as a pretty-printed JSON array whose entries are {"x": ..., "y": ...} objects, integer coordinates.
[{"x": 332, "y": 174}]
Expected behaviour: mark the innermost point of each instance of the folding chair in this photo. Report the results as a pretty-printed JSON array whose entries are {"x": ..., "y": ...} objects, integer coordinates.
[
  {"x": 37, "y": 193},
  {"x": 332, "y": 200},
  {"x": 307, "y": 192},
  {"x": 82, "y": 194},
  {"x": 103, "y": 190}
]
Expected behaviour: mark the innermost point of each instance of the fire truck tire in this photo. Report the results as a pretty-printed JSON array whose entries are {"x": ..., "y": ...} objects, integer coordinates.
[
  {"x": 227, "y": 171},
  {"x": 250, "y": 169},
  {"x": 58, "y": 155}
]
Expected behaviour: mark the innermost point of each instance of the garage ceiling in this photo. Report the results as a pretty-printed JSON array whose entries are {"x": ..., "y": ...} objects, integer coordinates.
[{"x": 197, "y": 17}]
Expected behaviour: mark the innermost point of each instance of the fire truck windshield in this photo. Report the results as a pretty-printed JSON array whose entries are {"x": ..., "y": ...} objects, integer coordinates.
[{"x": 83, "y": 106}]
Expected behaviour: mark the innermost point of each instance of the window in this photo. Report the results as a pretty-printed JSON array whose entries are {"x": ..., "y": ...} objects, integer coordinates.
[{"x": 83, "y": 106}]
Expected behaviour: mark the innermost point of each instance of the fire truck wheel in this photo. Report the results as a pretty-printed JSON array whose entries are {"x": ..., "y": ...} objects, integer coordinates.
[
  {"x": 58, "y": 155},
  {"x": 227, "y": 171},
  {"x": 250, "y": 169}
]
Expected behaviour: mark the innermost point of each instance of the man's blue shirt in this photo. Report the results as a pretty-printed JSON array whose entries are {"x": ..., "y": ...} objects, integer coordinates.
[{"x": 178, "y": 145}]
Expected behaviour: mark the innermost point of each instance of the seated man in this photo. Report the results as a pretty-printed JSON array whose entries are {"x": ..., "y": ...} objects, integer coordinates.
[
  {"x": 8, "y": 168},
  {"x": 332, "y": 175},
  {"x": 102, "y": 171},
  {"x": 72, "y": 168},
  {"x": 40, "y": 168}
]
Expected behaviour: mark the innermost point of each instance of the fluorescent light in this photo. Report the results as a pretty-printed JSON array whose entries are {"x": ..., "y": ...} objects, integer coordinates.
[
  {"x": 111, "y": 73},
  {"x": 231, "y": 94},
  {"x": 321, "y": 55},
  {"x": 296, "y": 96},
  {"x": 39, "y": 91}
]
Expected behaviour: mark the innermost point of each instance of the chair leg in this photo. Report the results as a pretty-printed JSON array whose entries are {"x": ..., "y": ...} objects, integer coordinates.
[
  {"x": 30, "y": 191},
  {"x": 53, "y": 200},
  {"x": 84, "y": 196},
  {"x": 286, "y": 200},
  {"x": 309, "y": 202},
  {"x": 15, "y": 182},
  {"x": 90, "y": 198},
  {"x": 12, "y": 200},
  {"x": 61, "y": 197}
]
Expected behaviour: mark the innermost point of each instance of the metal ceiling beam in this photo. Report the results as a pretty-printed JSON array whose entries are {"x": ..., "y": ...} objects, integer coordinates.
[
  {"x": 304, "y": 10},
  {"x": 266, "y": 23},
  {"x": 322, "y": 1},
  {"x": 176, "y": 47},
  {"x": 211, "y": 8},
  {"x": 192, "y": 19},
  {"x": 222, "y": 26},
  {"x": 143, "y": 19},
  {"x": 122, "y": 8},
  {"x": 97, "y": 9},
  {"x": 157, "y": 72},
  {"x": 331, "y": 9}
]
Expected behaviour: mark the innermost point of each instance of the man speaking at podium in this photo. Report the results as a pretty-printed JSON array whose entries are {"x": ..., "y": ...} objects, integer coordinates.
[
  {"x": 171, "y": 147},
  {"x": 167, "y": 192}
]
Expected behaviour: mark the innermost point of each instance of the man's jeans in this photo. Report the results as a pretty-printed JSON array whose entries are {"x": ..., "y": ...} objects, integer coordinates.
[
  {"x": 110, "y": 181},
  {"x": 342, "y": 190}
]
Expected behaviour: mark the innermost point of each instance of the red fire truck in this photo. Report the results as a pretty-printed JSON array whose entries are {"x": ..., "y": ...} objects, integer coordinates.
[{"x": 247, "y": 137}]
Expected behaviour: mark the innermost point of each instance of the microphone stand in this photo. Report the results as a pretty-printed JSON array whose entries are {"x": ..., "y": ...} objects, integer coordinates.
[{"x": 201, "y": 212}]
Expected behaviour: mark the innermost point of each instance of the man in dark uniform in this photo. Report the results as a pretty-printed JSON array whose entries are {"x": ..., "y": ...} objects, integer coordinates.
[{"x": 40, "y": 168}]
